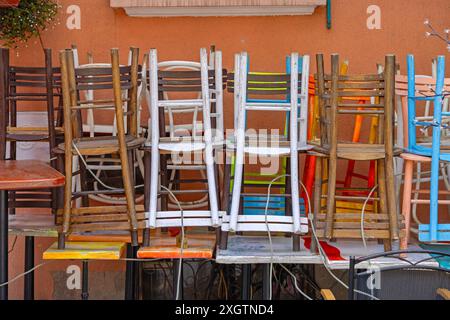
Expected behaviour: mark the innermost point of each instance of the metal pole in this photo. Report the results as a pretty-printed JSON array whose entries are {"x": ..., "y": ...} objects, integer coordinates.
[
  {"x": 3, "y": 244},
  {"x": 129, "y": 274},
  {"x": 246, "y": 281},
  {"x": 29, "y": 264},
  {"x": 85, "y": 281},
  {"x": 266, "y": 282}
]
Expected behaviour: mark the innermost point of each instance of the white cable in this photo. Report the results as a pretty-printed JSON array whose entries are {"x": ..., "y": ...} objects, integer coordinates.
[
  {"x": 92, "y": 173},
  {"x": 182, "y": 241},
  {"x": 322, "y": 252},
  {"x": 295, "y": 282},
  {"x": 363, "y": 236},
  {"x": 24, "y": 273},
  {"x": 271, "y": 245}
]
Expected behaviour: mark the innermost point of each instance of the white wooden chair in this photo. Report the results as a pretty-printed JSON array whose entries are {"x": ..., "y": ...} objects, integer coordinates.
[
  {"x": 210, "y": 83},
  {"x": 287, "y": 84}
]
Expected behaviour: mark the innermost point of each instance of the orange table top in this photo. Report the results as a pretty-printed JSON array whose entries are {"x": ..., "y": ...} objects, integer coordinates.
[
  {"x": 199, "y": 246},
  {"x": 28, "y": 174}
]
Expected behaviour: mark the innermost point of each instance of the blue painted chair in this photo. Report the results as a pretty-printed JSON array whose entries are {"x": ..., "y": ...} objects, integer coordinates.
[{"x": 435, "y": 90}]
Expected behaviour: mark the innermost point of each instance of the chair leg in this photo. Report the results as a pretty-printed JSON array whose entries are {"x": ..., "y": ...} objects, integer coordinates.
[
  {"x": 127, "y": 177},
  {"x": 383, "y": 197},
  {"x": 391, "y": 198},
  {"x": 147, "y": 172},
  {"x": 406, "y": 206},
  {"x": 331, "y": 204},
  {"x": 317, "y": 201}
]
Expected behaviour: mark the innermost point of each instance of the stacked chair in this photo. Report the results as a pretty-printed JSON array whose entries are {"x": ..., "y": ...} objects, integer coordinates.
[
  {"x": 336, "y": 95},
  {"x": 248, "y": 88},
  {"x": 112, "y": 81},
  {"x": 103, "y": 166},
  {"x": 204, "y": 81},
  {"x": 420, "y": 90},
  {"x": 36, "y": 86}
]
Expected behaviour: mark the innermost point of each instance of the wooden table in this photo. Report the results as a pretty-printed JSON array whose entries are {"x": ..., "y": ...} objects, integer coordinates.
[{"x": 20, "y": 175}]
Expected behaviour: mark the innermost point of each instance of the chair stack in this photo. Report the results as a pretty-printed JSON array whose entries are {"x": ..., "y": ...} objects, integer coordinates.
[
  {"x": 336, "y": 95},
  {"x": 248, "y": 88}
]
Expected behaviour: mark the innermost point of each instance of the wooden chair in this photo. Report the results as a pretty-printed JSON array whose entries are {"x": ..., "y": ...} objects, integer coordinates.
[
  {"x": 209, "y": 83},
  {"x": 38, "y": 87},
  {"x": 334, "y": 91},
  {"x": 112, "y": 80},
  {"x": 252, "y": 85},
  {"x": 91, "y": 126},
  {"x": 426, "y": 89}
]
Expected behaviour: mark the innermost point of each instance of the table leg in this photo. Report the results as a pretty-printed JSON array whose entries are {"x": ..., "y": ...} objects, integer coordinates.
[
  {"x": 3, "y": 244},
  {"x": 129, "y": 274},
  {"x": 246, "y": 281},
  {"x": 266, "y": 283},
  {"x": 85, "y": 281},
  {"x": 29, "y": 264},
  {"x": 178, "y": 273}
]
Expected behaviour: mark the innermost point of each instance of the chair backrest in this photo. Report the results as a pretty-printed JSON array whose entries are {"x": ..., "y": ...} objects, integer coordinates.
[
  {"x": 337, "y": 92},
  {"x": 30, "y": 84},
  {"x": 90, "y": 124},
  {"x": 181, "y": 80},
  {"x": 99, "y": 78},
  {"x": 417, "y": 92},
  {"x": 270, "y": 91}
]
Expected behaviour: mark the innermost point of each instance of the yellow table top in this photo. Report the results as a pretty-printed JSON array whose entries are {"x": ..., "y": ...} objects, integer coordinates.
[{"x": 86, "y": 251}]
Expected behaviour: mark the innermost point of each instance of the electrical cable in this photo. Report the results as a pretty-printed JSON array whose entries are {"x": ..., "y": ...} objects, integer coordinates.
[{"x": 177, "y": 295}]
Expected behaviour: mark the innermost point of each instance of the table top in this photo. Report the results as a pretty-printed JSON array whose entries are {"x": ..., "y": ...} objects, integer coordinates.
[
  {"x": 85, "y": 251},
  {"x": 163, "y": 246},
  {"x": 28, "y": 174}
]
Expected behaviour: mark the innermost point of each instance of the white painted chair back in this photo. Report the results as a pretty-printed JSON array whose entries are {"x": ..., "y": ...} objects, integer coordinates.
[
  {"x": 203, "y": 143},
  {"x": 297, "y": 106}
]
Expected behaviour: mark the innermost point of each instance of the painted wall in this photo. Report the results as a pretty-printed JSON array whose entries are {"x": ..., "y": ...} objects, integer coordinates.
[{"x": 267, "y": 39}]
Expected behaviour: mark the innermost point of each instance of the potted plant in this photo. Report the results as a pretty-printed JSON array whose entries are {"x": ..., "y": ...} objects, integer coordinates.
[{"x": 20, "y": 23}]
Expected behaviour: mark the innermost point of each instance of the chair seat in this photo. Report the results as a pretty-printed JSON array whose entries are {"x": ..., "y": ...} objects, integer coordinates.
[
  {"x": 181, "y": 144},
  {"x": 268, "y": 145},
  {"x": 358, "y": 151},
  {"x": 30, "y": 133},
  {"x": 102, "y": 145}
]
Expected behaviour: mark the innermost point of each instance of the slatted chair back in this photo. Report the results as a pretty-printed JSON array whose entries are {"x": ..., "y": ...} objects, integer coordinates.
[
  {"x": 336, "y": 99},
  {"x": 29, "y": 86},
  {"x": 292, "y": 86},
  {"x": 92, "y": 126},
  {"x": 337, "y": 89},
  {"x": 170, "y": 82},
  {"x": 111, "y": 80},
  {"x": 435, "y": 90}
]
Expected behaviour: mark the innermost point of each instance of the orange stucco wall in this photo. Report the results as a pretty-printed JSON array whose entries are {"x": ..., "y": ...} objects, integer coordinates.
[{"x": 267, "y": 39}]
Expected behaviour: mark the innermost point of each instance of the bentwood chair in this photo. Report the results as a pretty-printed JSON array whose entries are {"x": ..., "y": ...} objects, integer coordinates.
[
  {"x": 111, "y": 81},
  {"x": 335, "y": 101},
  {"x": 248, "y": 90},
  {"x": 196, "y": 139},
  {"x": 422, "y": 89},
  {"x": 35, "y": 87},
  {"x": 103, "y": 166}
]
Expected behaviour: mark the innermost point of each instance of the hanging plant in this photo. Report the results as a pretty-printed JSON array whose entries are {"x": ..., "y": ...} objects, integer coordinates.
[{"x": 27, "y": 20}]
